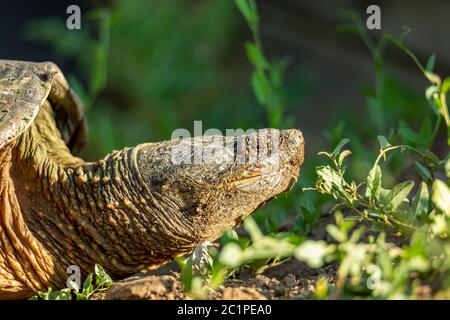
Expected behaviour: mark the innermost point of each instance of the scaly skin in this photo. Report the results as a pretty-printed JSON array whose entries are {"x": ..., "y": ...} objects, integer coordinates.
[{"x": 131, "y": 211}]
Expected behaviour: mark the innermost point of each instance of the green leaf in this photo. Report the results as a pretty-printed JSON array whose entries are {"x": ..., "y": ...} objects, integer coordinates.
[
  {"x": 231, "y": 234},
  {"x": 422, "y": 139},
  {"x": 433, "y": 78},
  {"x": 339, "y": 146},
  {"x": 98, "y": 75},
  {"x": 88, "y": 288},
  {"x": 186, "y": 273},
  {"x": 426, "y": 129},
  {"x": 252, "y": 228},
  {"x": 430, "y": 63},
  {"x": 398, "y": 194},
  {"x": 407, "y": 134},
  {"x": 441, "y": 196},
  {"x": 308, "y": 205},
  {"x": 443, "y": 106},
  {"x": 421, "y": 201},
  {"x": 63, "y": 294},
  {"x": 261, "y": 87},
  {"x": 99, "y": 69},
  {"x": 419, "y": 264},
  {"x": 324, "y": 153},
  {"x": 373, "y": 188},
  {"x": 445, "y": 87},
  {"x": 424, "y": 173},
  {"x": 277, "y": 70},
  {"x": 247, "y": 11},
  {"x": 447, "y": 168},
  {"x": 256, "y": 56},
  {"x": 384, "y": 143},
  {"x": 313, "y": 253},
  {"x": 102, "y": 279},
  {"x": 432, "y": 159},
  {"x": 337, "y": 234},
  {"x": 432, "y": 95},
  {"x": 231, "y": 255},
  {"x": 344, "y": 154},
  {"x": 331, "y": 179},
  {"x": 417, "y": 245}
]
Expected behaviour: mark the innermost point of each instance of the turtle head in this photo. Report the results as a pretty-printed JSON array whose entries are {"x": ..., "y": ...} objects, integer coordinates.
[{"x": 214, "y": 182}]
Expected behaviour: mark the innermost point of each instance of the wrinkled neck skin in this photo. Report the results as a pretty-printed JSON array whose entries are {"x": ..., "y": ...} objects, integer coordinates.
[{"x": 58, "y": 211}]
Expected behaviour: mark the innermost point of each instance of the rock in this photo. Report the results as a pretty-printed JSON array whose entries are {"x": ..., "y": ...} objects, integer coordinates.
[
  {"x": 290, "y": 281},
  {"x": 146, "y": 287},
  {"x": 242, "y": 294}
]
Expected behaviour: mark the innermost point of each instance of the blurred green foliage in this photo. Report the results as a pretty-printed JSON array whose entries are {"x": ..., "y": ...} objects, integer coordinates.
[{"x": 149, "y": 67}]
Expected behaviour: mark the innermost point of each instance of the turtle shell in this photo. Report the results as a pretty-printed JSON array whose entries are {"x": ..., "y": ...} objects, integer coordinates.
[{"x": 24, "y": 87}]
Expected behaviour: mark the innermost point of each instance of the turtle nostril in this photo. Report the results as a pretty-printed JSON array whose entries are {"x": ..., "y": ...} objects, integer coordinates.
[
  {"x": 43, "y": 76},
  {"x": 292, "y": 144},
  {"x": 294, "y": 162}
]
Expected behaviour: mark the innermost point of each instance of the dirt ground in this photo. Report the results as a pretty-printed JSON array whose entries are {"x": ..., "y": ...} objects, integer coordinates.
[{"x": 290, "y": 279}]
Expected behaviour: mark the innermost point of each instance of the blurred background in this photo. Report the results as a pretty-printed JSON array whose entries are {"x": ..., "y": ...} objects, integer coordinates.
[{"x": 144, "y": 68}]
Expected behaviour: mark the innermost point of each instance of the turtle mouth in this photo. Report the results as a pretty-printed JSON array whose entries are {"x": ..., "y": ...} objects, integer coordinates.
[
  {"x": 265, "y": 178},
  {"x": 247, "y": 180}
]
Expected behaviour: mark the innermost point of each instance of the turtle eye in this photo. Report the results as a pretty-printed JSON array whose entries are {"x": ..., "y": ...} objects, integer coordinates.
[
  {"x": 160, "y": 184},
  {"x": 156, "y": 183}
]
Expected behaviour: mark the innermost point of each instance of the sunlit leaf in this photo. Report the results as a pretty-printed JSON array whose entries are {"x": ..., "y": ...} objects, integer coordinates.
[
  {"x": 441, "y": 196},
  {"x": 433, "y": 78},
  {"x": 384, "y": 143},
  {"x": 313, "y": 253},
  {"x": 256, "y": 56},
  {"x": 339, "y": 146},
  {"x": 230, "y": 255},
  {"x": 344, "y": 154},
  {"x": 373, "y": 187},
  {"x": 252, "y": 228},
  {"x": 421, "y": 200},
  {"x": 261, "y": 87},
  {"x": 398, "y": 194}
]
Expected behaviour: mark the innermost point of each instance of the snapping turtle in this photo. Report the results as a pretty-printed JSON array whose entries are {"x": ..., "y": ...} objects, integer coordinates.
[{"x": 135, "y": 209}]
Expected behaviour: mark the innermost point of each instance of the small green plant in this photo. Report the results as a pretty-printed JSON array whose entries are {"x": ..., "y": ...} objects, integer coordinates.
[
  {"x": 369, "y": 266},
  {"x": 267, "y": 77},
  {"x": 388, "y": 207},
  {"x": 95, "y": 282},
  {"x": 196, "y": 270},
  {"x": 435, "y": 93}
]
